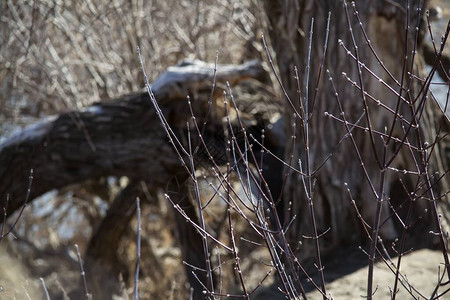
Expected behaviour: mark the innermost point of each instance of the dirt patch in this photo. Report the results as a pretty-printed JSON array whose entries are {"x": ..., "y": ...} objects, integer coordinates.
[{"x": 420, "y": 269}]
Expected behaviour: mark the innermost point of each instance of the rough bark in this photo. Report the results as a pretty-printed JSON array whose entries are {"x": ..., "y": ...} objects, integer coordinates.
[{"x": 290, "y": 23}]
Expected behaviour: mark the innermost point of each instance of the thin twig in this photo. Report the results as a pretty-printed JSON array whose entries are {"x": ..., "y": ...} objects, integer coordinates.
[
  {"x": 83, "y": 274},
  {"x": 47, "y": 296},
  {"x": 138, "y": 249}
]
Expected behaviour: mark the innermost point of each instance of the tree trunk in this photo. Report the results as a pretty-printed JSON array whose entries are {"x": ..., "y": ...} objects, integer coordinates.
[
  {"x": 384, "y": 24},
  {"x": 101, "y": 257}
]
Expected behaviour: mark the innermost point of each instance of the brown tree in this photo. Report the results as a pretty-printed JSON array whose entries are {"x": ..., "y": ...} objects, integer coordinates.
[{"x": 366, "y": 129}]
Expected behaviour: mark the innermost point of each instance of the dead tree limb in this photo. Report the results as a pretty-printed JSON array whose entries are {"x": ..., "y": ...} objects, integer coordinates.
[{"x": 119, "y": 138}]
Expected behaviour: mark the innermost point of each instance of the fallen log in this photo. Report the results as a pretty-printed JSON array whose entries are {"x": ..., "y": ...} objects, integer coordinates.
[{"x": 119, "y": 138}]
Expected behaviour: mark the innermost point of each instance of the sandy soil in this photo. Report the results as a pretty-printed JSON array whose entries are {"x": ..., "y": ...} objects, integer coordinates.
[
  {"x": 347, "y": 278},
  {"x": 421, "y": 270}
]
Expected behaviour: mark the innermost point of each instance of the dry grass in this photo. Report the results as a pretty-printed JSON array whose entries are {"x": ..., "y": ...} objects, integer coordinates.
[{"x": 58, "y": 56}]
